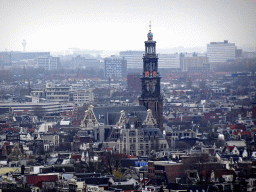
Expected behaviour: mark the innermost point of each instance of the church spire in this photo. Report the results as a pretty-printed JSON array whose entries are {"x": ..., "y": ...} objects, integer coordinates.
[
  {"x": 151, "y": 96},
  {"x": 150, "y": 34}
]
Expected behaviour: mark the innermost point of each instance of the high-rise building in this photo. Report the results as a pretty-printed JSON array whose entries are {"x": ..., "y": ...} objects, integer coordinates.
[
  {"x": 194, "y": 62},
  {"x": 115, "y": 66},
  {"x": 134, "y": 58},
  {"x": 169, "y": 61},
  {"x": 48, "y": 63},
  {"x": 151, "y": 97},
  {"x": 220, "y": 52},
  {"x": 82, "y": 62}
]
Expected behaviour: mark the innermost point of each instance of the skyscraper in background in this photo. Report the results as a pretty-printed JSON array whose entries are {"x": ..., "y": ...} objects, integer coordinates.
[
  {"x": 134, "y": 58},
  {"x": 115, "y": 67},
  {"x": 48, "y": 63},
  {"x": 220, "y": 52},
  {"x": 169, "y": 61}
]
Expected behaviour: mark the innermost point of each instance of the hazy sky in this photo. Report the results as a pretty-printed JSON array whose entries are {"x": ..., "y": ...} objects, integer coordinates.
[{"x": 52, "y": 25}]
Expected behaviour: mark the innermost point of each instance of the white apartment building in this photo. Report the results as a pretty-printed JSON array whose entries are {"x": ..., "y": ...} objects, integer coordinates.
[
  {"x": 220, "y": 52},
  {"x": 134, "y": 58},
  {"x": 83, "y": 96},
  {"x": 170, "y": 61},
  {"x": 57, "y": 93},
  {"x": 48, "y": 63}
]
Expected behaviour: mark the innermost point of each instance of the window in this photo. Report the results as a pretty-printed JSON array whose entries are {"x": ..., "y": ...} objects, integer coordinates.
[
  {"x": 132, "y": 147},
  {"x": 132, "y": 133}
]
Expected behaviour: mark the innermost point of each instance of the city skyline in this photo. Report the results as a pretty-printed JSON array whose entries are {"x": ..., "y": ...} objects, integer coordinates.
[{"x": 120, "y": 25}]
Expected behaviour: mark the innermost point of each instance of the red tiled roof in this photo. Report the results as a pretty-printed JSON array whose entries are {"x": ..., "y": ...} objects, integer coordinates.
[
  {"x": 235, "y": 126},
  {"x": 37, "y": 180},
  {"x": 219, "y": 172},
  {"x": 249, "y": 133},
  {"x": 230, "y": 148},
  {"x": 76, "y": 157}
]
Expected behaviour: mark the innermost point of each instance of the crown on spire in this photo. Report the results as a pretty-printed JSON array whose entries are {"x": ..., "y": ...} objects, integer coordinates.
[{"x": 150, "y": 35}]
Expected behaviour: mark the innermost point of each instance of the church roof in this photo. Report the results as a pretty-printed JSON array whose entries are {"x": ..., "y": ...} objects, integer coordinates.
[{"x": 111, "y": 115}]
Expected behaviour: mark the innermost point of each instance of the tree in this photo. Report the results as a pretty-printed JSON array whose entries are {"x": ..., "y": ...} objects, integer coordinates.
[
  {"x": 118, "y": 174},
  {"x": 16, "y": 153},
  {"x": 111, "y": 162},
  {"x": 197, "y": 162}
]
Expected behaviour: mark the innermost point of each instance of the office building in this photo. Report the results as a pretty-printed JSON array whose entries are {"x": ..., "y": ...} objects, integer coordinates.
[
  {"x": 194, "y": 62},
  {"x": 169, "y": 61},
  {"x": 83, "y": 96},
  {"x": 82, "y": 62},
  {"x": 37, "y": 108},
  {"x": 134, "y": 58},
  {"x": 48, "y": 63},
  {"x": 115, "y": 67},
  {"x": 57, "y": 93},
  {"x": 221, "y": 52},
  {"x": 19, "y": 56}
]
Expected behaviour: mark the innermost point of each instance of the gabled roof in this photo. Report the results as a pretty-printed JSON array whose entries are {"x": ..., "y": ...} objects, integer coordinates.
[
  {"x": 230, "y": 148},
  {"x": 153, "y": 132}
]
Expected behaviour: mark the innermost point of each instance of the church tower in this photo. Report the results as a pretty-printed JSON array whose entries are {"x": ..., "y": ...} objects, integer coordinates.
[{"x": 150, "y": 96}]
